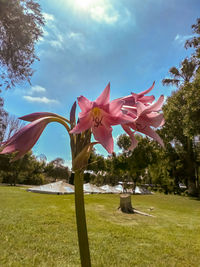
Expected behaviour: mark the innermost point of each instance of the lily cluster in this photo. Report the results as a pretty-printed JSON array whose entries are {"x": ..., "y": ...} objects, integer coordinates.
[{"x": 135, "y": 113}]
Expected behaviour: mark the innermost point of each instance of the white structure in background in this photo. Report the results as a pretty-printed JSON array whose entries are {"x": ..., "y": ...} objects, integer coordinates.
[
  {"x": 142, "y": 190},
  {"x": 138, "y": 190},
  {"x": 119, "y": 188},
  {"x": 92, "y": 189},
  {"x": 110, "y": 189},
  {"x": 57, "y": 188},
  {"x": 61, "y": 188}
]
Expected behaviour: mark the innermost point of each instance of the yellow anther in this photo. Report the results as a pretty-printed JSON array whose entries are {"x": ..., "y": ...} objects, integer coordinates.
[{"x": 96, "y": 112}]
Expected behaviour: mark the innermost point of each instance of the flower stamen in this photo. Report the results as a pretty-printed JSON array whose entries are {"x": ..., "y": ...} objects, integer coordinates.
[{"x": 97, "y": 118}]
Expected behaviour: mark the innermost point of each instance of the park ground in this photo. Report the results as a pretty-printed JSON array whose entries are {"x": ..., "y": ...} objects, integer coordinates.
[{"x": 40, "y": 230}]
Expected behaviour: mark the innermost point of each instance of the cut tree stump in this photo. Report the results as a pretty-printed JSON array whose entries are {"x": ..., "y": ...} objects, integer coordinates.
[
  {"x": 125, "y": 203},
  {"x": 126, "y": 206}
]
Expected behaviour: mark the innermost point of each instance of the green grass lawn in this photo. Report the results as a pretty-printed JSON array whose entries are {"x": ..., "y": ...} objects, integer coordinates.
[{"x": 40, "y": 230}]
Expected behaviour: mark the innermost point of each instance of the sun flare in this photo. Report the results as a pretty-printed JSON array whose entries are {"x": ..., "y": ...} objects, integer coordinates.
[{"x": 85, "y": 4}]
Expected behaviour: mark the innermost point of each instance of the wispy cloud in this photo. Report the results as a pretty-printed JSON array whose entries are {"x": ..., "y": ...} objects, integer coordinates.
[
  {"x": 181, "y": 39},
  {"x": 43, "y": 100},
  {"x": 58, "y": 39},
  {"x": 36, "y": 89}
]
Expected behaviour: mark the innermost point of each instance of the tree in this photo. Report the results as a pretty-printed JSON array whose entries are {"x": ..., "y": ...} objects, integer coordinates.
[
  {"x": 182, "y": 126},
  {"x": 12, "y": 125},
  {"x": 21, "y": 24},
  {"x": 124, "y": 142},
  {"x": 195, "y": 41},
  {"x": 3, "y": 115},
  {"x": 26, "y": 170},
  {"x": 182, "y": 75},
  {"x": 57, "y": 170}
]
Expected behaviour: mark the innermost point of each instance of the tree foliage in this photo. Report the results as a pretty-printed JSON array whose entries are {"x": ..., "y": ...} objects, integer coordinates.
[
  {"x": 195, "y": 41},
  {"x": 21, "y": 24},
  {"x": 182, "y": 75},
  {"x": 56, "y": 170}
]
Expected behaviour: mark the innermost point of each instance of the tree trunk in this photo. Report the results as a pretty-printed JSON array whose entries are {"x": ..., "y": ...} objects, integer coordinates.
[
  {"x": 192, "y": 187},
  {"x": 192, "y": 183},
  {"x": 125, "y": 203}
]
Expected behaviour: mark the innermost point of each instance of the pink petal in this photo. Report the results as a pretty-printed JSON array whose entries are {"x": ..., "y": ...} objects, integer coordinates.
[
  {"x": 156, "y": 120},
  {"x": 146, "y": 99},
  {"x": 104, "y": 97},
  {"x": 131, "y": 109},
  {"x": 121, "y": 118},
  {"x": 104, "y": 136},
  {"x": 140, "y": 108},
  {"x": 147, "y": 91},
  {"x": 156, "y": 106},
  {"x": 115, "y": 107},
  {"x": 152, "y": 119},
  {"x": 134, "y": 142},
  {"x": 151, "y": 133},
  {"x": 84, "y": 104},
  {"x": 128, "y": 100},
  {"x": 84, "y": 124}
]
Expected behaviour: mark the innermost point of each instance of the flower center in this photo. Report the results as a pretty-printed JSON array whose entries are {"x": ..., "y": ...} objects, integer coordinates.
[{"x": 97, "y": 117}]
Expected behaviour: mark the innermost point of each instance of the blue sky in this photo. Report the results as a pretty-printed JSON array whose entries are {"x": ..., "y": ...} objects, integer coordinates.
[{"x": 86, "y": 44}]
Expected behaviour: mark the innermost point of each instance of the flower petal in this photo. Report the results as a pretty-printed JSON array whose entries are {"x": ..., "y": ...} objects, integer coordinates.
[
  {"x": 128, "y": 100},
  {"x": 84, "y": 104},
  {"x": 134, "y": 142},
  {"x": 83, "y": 124},
  {"x": 147, "y": 91},
  {"x": 140, "y": 108},
  {"x": 151, "y": 133},
  {"x": 156, "y": 106},
  {"x": 115, "y": 118},
  {"x": 104, "y": 97},
  {"x": 152, "y": 119},
  {"x": 103, "y": 135},
  {"x": 146, "y": 99},
  {"x": 115, "y": 107}
]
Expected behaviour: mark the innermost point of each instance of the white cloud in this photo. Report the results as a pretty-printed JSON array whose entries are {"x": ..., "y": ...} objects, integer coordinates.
[
  {"x": 36, "y": 89},
  {"x": 44, "y": 100},
  {"x": 48, "y": 17},
  {"x": 181, "y": 39}
]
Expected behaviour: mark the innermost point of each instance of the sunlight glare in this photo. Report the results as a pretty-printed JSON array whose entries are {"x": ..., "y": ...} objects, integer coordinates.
[{"x": 85, "y": 4}]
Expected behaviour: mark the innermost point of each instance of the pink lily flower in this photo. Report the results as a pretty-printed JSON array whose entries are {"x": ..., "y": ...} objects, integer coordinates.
[
  {"x": 144, "y": 117},
  {"x": 100, "y": 115}
]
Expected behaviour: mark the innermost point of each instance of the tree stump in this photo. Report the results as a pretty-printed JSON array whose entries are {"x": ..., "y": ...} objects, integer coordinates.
[{"x": 125, "y": 203}]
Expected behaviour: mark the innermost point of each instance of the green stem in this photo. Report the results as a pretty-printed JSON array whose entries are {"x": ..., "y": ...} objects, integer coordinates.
[{"x": 81, "y": 220}]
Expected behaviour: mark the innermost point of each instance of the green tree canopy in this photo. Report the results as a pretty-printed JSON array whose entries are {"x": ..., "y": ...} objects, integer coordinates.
[{"x": 21, "y": 24}]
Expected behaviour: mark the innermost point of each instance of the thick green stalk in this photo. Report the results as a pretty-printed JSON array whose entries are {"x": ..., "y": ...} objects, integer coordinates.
[{"x": 81, "y": 220}]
